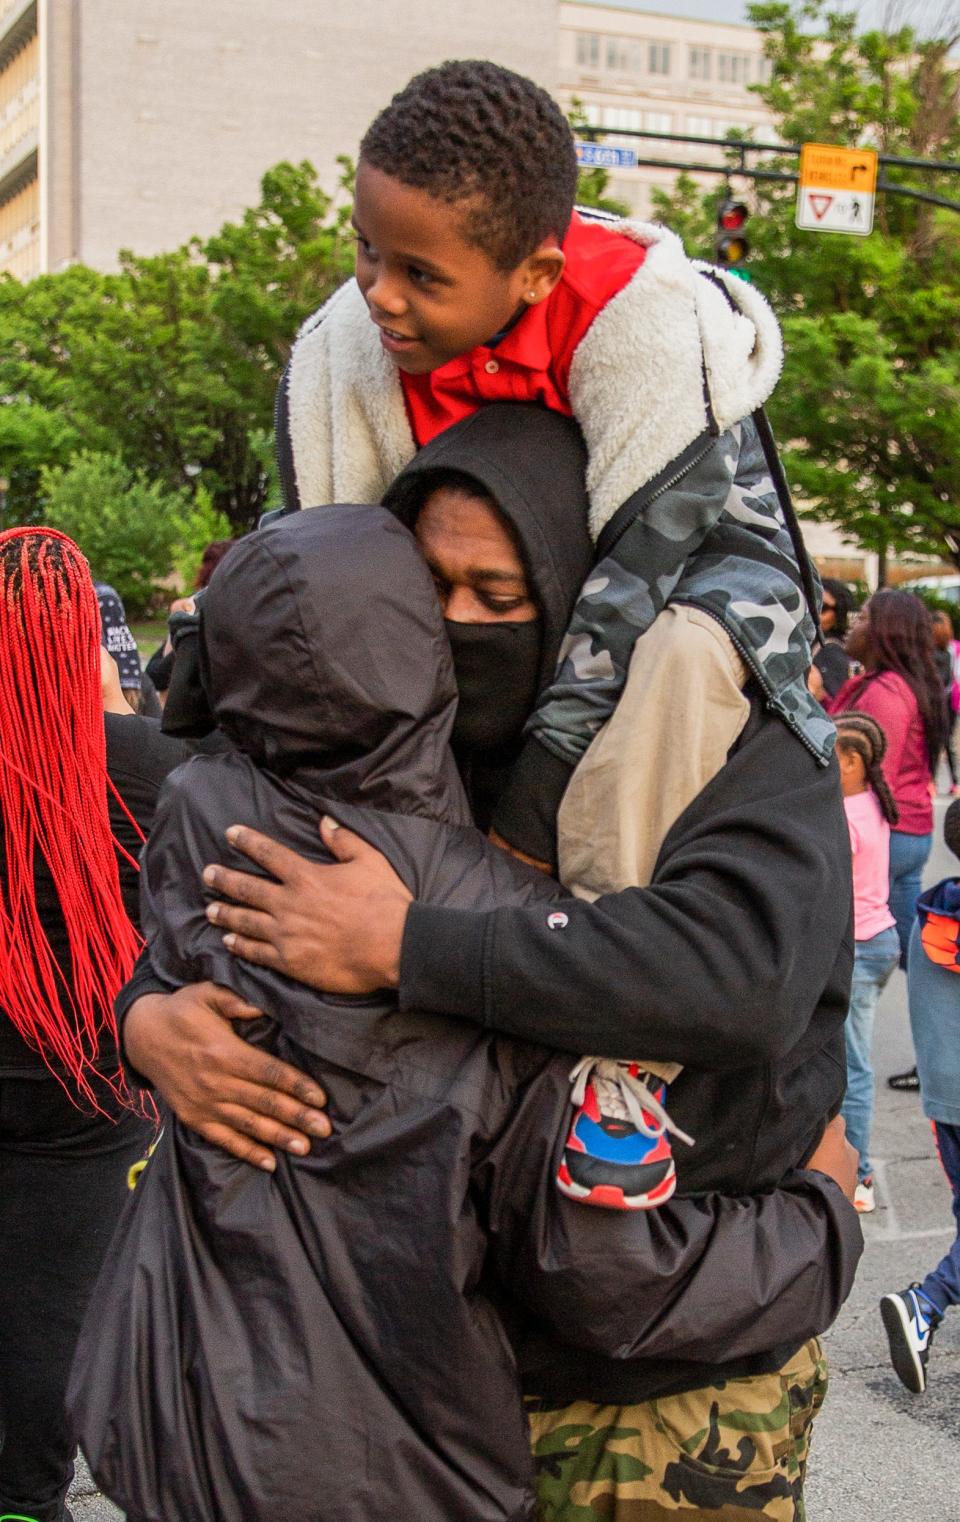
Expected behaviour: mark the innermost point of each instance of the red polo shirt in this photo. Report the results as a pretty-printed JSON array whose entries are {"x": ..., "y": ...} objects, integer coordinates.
[{"x": 532, "y": 363}]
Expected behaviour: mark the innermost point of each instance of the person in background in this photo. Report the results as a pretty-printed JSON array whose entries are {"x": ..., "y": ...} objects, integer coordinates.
[
  {"x": 947, "y": 656},
  {"x": 78, "y": 776},
  {"x": 138, "y": 690},
  {"x": 831, "y": 664},
  {"x": 159, "y": 667},
  {"x": 900, "y": 687},
  {"x": 870, "y": 812},
  {"x": 912, "y": 1316}
]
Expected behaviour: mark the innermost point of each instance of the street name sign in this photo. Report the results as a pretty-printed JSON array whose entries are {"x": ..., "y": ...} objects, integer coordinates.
[
  {"x": 599, "y": 156},
  {"x": 837, "y": 189}
]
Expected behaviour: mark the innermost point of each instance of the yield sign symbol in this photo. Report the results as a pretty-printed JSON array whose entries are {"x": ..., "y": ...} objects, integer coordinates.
[{"x": 821, "y": 204}]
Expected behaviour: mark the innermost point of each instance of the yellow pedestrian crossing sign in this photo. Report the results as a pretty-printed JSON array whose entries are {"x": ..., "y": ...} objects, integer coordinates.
[{"x": 837, "y": 189}]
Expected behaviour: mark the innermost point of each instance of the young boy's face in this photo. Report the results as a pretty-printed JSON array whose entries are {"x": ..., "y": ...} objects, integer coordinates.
[{"x": 433, "y": 294}]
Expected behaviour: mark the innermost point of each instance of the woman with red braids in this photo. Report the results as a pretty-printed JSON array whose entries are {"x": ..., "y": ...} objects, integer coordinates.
[{"x": 77, "y": 790}]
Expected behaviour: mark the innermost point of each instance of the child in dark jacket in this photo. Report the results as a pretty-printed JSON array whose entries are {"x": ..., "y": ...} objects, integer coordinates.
[
  {"x": 912, "y": 1316},
  {"x": 314, "y": 1343}
]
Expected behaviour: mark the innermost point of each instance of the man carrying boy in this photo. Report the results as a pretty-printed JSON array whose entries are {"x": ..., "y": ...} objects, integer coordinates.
[
  {"x": 662, "y": 373},
  {"x": 911, "y": 1316}
]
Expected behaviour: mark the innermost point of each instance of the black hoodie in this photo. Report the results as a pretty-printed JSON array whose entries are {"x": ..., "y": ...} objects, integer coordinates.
[{"x": 533, "y": 464}]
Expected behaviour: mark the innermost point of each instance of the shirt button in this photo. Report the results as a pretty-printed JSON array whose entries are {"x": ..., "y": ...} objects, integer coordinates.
[{"x": 491, "y": 367}]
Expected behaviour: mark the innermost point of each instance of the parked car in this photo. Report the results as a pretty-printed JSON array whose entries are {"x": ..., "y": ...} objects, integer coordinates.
[{"x": 947, "y": 587}]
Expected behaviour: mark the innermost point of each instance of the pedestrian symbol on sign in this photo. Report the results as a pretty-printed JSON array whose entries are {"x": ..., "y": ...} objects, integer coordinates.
[{"x": 836, "y": 189}]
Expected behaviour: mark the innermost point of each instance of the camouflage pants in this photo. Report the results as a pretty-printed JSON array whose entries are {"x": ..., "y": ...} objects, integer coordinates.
[{"x": 736, "y": 1451}]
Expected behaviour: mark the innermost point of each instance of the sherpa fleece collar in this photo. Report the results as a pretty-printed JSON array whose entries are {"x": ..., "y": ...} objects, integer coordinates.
[{"x": 636, "y": 381}]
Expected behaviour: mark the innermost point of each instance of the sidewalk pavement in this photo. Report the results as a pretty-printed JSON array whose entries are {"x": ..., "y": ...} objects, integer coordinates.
[{"x": 879, "y": 1452}]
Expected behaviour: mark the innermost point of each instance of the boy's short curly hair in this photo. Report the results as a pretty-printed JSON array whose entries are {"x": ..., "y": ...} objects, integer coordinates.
[
  {"x": 472, "y": 130},
  {"x": 951, "y": 827}
]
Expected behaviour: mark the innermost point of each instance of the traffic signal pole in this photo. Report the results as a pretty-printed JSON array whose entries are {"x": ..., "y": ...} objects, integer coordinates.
[{"x": 745, "y": 146}]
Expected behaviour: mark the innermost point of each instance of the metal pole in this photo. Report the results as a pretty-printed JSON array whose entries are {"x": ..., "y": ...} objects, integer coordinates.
[{"x": 744, "y": 146}]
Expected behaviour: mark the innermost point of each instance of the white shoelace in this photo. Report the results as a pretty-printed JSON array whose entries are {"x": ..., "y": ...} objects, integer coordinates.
[{"x": 623, "y": 1095}]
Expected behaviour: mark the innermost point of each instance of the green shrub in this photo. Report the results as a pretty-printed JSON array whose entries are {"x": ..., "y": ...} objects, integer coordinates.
[
  {"x": 129, "y": 527},
  {"x": 200, "y": 524}
]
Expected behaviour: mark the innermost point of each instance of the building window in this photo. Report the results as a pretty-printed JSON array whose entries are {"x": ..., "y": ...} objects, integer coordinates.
[
  {"x": 588, "y": 50},
  {"x": 658, "y": 121},
  {"x": 658, "y": 58},
  {"x": 623, "y": 56},
  {"x": 622, "y": 117},
  {"x": 712, "y": 126},
  {"x": 762, "y": 69},
  {"x": 699, "y": 60},
  {"x": 733, "y": 68},
  {"x": 592, "y": 115}
]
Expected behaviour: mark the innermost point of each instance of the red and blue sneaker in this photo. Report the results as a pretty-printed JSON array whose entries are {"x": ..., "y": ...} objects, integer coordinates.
[{"x": 618, "y": 1153}]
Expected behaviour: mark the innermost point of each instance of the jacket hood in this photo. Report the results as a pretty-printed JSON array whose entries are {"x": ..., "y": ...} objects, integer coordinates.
[
  {"x": 533, "y": 464},
  {"x": 350, "y": 675}
]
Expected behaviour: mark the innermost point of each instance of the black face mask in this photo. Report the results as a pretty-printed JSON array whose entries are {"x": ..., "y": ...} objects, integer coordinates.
[{"x": 497, "y": 667}]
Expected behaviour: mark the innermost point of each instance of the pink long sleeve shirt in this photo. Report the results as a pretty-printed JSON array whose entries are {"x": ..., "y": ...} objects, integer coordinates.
[{"x": 890, "y": 700}]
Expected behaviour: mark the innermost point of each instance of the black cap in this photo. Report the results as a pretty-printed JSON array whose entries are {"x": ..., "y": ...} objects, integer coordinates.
[{"x": 115, "y": 635}]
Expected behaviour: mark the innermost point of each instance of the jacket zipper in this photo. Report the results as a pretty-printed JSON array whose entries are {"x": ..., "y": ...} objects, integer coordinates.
[
  {"x": 658, "y": 491},
  {"x": 753, "y": 666}
]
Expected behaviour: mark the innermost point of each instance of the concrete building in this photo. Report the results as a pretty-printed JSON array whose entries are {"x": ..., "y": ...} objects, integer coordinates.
[
  {"x": 19, "y": 138},
  {"x": 636, "y": 69},
  {"x": 139, "y": 123}
]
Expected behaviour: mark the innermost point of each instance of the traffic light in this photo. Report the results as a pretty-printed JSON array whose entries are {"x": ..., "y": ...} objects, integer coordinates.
[{"x": 731, "y": 246}]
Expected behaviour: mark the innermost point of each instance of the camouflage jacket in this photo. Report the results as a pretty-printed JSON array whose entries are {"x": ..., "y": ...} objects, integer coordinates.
[
  {"x": 710, "y": 533},
  {"x": 681, "y": 502}
]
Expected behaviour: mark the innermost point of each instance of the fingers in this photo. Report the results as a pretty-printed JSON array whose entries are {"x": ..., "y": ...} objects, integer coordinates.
[
  {"x": 276, "y": 1118},
  {"x": 278, "y": 860},
  {"x": 249, "y": 922},
  {"x": 285, "y": 1092},
  {"x": 229, "y": 1006},
  {"x": 260, "y": 953},
  {"x": 239, "y": 1146},
  {"x": 255, "y": 1122},
  {"x": 345, "y": 845},
  {"x": 242, "y": 886}
]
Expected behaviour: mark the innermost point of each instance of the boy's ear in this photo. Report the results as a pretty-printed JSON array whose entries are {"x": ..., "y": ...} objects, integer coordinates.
[{"x": 541, "y": 272}]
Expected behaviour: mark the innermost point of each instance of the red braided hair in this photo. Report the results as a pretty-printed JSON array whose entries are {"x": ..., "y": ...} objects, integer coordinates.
[{"x": 53, "y": 807}]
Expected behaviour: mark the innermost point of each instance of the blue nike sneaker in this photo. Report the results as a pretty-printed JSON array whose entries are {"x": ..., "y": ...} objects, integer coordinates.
[{"x": 910, "y": 1321}]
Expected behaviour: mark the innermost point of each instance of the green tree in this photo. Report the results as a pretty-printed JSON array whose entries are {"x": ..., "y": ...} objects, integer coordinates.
[
  {"x": 869, "y": 402},
  {"x": 198, "y": 525},
  {"x": 592, "y": 183},
  {"x": 129, "y": 527},
  {"x": 172, "y": 362}
]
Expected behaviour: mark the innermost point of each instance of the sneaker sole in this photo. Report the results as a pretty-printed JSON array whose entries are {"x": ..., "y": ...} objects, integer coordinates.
[
  {"x": 609, "y": 1197},
  {"x": 906, "y": 1362}
]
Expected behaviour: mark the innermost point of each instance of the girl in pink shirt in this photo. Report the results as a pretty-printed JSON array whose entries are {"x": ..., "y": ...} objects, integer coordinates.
[
  {"x": 870, "y": 810},
  {"x": 900, "y": 688}
]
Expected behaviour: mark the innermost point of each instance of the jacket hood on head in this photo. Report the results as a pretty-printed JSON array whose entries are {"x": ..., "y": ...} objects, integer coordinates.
[
  {"x": 533, "y": 464},
  {"x": 324, "y": 649}
]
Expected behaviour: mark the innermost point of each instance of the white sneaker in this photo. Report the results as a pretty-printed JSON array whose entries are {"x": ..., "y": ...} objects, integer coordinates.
[{"x": 865, "y": 1196}]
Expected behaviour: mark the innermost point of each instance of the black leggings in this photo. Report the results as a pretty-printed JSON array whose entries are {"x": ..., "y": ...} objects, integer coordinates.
[{"x": 62, "y": 1182}]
